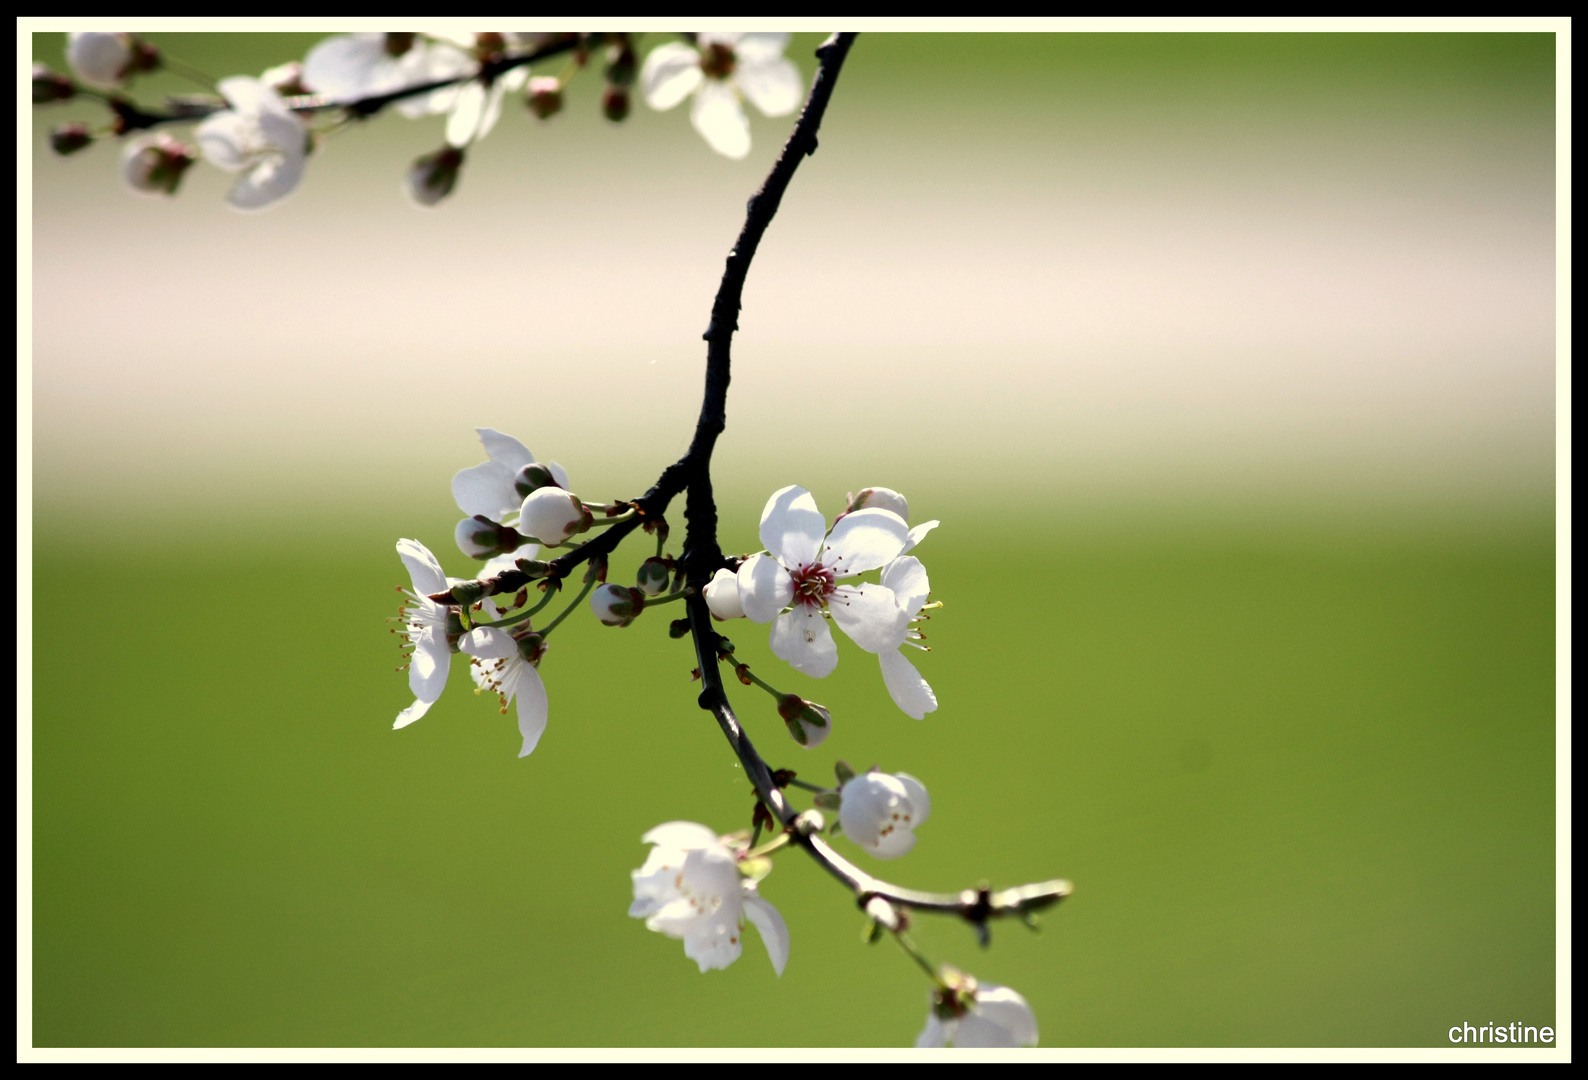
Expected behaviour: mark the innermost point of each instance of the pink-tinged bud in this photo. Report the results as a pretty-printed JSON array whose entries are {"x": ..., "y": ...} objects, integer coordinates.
[
  {"x": 880, "y": 498},
  {"x": 155, "y": 166},
  {"x": 479, "y": 537},
  {"x": 551, "y": 515},
  {"x": 616, "y": 605},
  {"x": 545, "y": 96},
  {"x": 808, "y": 723},
  {"x": 70, "y": 138},
  {"x": 432, "y": 177},
  {"x": 285, "y": 79},
  {"x": 533, "y": 477},
  {"x": 101, "y": 60},
  {"x": 722, "y": 595},
  {"x": 50, "y": 86},
  {"x": 653, "y": 576},
  {"x": 615, "y": 103}
]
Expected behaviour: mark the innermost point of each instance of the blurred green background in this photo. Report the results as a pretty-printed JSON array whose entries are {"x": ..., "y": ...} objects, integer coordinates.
[{"x": 1227, "y": 362}]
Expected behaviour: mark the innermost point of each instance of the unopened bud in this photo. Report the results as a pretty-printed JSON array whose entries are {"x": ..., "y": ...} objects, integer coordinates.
[
  {"x": 70, "y": 138},
  {"x": 616, "y": 605},
  {"x": 531, "y": 647},
  {"x": 551, "y": 515},
  {"x": 533, "y": 477},
  {"x": 615, "y": 103},
  {"x": 532, "y": 568},
  {"x": 545, "y": 96},
  {"x": 50, "y": 85},
  {"x": 653, "y": 576},
  {"x": 432, "y": 177},
  {"x": 100, "y": 59},
  {"x": 722, "y": 595},
  {"x": 808, "y": 723},
  {"x": 620, "y": 65},
  {"x": 880, "y": 498},
  {"x": 155, "y": 166},
  {"x": 479, "y": 537},
  {"x": 678, "y": 628}
]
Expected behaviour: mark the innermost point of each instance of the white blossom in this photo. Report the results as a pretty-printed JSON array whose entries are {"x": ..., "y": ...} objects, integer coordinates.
[
  {"x": 978, "y": 1015},
  {"x": 424, "y": 625},
  {"x": 881, "y": 812},
  {"x": 492, "y": 489},
  {"x": 722, "y": 595},
  {"x": 801, "y": 571},
  {"x": 99, "y": 59},
  {"x": 348, "y": 67},
  {"x": 258, "y": 137},
  {"x": 506, "y": 665},
  {"x": 690, "y": 888},
  {"x": 718, "y": 70}
]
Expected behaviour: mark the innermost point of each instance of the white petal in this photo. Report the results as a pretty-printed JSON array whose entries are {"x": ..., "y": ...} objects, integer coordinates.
[
  {"x": 488, "y": 643},
  {"x": 773, "y": 85},
  {"x": 871, "y": 616},
  {"x": 896, "y": 843},
  {"x": 1008, "y": 1011},
  {"x": 772, "y": 928},
  {"x": 98, "y": 58},
  {"x": 466, "y": 113},
  {"x": 714, "y": 945},
  {"x": 909, "y": 691},
  {"x": 487, "y": 490},
  {"x": 432, "y": 62},
  {"x": 428, "y": 667},
  {"x": 558, "y": 473},
  {"x": 907, "y": 578},
  {"x": 791, "y": 527},
  {"x": 222, "y": 140},
  {"x": 801, "y": 638},
  {"x": 505, "y": 450},
  {"x": 670, "y": 74},
  {"x": 920, "y": 801},
  {"x": 980, "y": 1032},
  {"x": 934, "y": 1036},
  {"x": 532, "y": 708},
  {"x": 918, "y": 534},
  {"x": 681, "y": 834},
  {"x": 410, "y": 714},
  {"x": 864, "y": 541},
  {"x": 720, "y": 119},
  {"x": 422, "y": 566},
  {"x": 267, "y": 183},
  {"x": 757, "y": 46},
  {"x": 493, "y": 102},
  {"x": 764, "y": 588},
  {"x": 349, "y": 66},
  {"x": 501, "y": 564},
  {"x": 249, "y": 95},
  {"x": 722, "y": 595}
]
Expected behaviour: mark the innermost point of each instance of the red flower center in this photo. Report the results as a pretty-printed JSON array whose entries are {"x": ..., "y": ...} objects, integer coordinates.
[{"x": 813, "y": 583}]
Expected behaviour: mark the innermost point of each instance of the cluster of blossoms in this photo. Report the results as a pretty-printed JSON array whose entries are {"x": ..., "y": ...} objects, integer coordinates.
[{"x": 264, "y": 128}]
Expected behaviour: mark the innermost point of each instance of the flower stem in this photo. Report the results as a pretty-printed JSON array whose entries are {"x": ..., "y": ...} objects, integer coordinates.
[
  {"x": 601, "y": 523},
  {"x": 915, "y": 954},
  {"x": 810, "y": 787},
  {"x": 584, "y": 592},
  {"x": 651, "y": 602},
  {"x": 762, "y": 683},
  {"x": 513, "y": 620},
  {"x": 780, "y": 840}
]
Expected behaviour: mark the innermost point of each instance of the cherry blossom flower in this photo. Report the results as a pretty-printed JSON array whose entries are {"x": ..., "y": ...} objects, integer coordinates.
[
  {"x": 429, "y": 627},
  {"x": 972, "y": 1014},
  {"x": 258, "y": 137},
  {"x": 348, "y": 67},
  {"x": 505, "y": 664},
  {"x": 496, "y": 489},
  {"x": 880, "y": 812},
  {"x": 801, "y": 571},
  {"x": 718, "y": 70},
  {"x": 690, "y": 888}
]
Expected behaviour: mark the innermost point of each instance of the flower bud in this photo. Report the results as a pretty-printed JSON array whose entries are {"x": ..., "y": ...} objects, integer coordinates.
[
  {"x": 155, "y": 166},
  {"x": 881, "y": 812},
  {"x": 100, "y": 60},
  {"x": 620, "y": 66},
  {"x": 551, "y": 515},
  {"x": 882, "y": 499},
  {"x": 531, "y": 647},
  {"x": 479, "y": 537},
  {"x": 533, "y": 477},
  {"x": 545, "y": 96},
  {"x": 50, "y": 85},
  {"x": 70, "y": 138},
  {"x": 678, "y": 628},
  {"x": 653, "y": 576},
  {"x": 722, "y": 595},
  {"x": 432, "y": 177},
  {"x": 532, "y": 568},
  {"x": 808, "y": 723},
  {"x": 615, "y": 103},
  {"x": 616, "y": 605}
]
